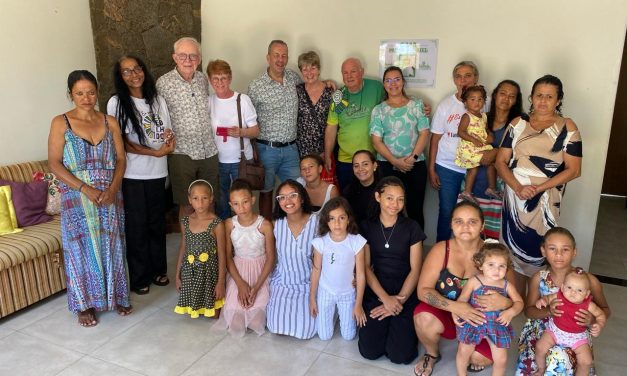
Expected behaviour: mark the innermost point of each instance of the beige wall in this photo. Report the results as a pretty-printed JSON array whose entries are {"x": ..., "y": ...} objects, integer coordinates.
[
  {"x": 581, "y": 44},
  {"x": 41, "y": 42}
]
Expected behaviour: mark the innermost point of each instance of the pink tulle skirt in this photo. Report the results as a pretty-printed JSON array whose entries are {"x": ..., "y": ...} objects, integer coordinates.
[{"x": 234, "y": 317}]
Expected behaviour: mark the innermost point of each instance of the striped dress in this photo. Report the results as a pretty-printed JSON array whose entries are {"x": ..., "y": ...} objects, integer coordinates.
[
  {"x": 288, "y": 307},
  {"x": 93, "y": 237}
]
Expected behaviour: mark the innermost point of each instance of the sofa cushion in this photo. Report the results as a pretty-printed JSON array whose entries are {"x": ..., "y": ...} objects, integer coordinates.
[
  {"x": 53, "y": 206},
  {"x": 33, "y": 242},
  {"x": 8, "y": 220},
  {"x": 29, "y": 200}
]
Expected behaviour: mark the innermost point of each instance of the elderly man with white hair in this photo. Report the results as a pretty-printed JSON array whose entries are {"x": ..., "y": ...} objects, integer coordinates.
[
  {"x": 186, "y": 92},
  {"x": 349, "y": 118}
]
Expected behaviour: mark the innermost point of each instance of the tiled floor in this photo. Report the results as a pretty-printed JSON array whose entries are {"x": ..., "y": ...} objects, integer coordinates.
[
  {"x": 609, "y": 254},
  {"x": 46, "y": 340}
]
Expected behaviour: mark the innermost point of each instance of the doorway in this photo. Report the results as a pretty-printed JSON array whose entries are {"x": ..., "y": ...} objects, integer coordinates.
[{"x": 609, "y": 251}]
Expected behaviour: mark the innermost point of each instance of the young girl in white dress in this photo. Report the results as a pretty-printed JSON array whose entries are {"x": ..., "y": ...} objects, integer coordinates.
[
  {"x": 250, "y": 257},
  {"x": 338, "y": 251}
]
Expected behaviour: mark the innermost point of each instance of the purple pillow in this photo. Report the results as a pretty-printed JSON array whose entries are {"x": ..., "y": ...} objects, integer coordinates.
[{"x": 29, "y": 200}]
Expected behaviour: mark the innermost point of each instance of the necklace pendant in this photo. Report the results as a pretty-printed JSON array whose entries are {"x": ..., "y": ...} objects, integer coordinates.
[{"x": 387, "y": 245}]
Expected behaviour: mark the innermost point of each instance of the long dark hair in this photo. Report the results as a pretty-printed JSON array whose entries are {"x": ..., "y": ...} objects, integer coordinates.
[
  {"x": 302, "y": 192},
  {"x": 395, "y": 69},
  {"x": 355, "y": 185},
  {"x": 388, "y": 181},
  {"x": 332, "y": 204},
  {"x": 126, "y": 109},
  {"x": 514, "y": 112}
]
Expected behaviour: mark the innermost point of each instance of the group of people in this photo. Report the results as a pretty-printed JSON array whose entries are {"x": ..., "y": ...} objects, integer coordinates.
[{"x": 292, "y": 267}]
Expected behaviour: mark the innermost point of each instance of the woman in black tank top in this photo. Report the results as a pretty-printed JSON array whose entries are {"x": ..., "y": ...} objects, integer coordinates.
[{"x": 445, "y": 270}]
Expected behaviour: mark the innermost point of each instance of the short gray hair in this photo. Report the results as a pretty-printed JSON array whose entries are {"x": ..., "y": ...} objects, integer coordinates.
[
  {"x": 273, "y": 42},
  {"x": 192, "y": 40},
  {"x": 467, "y": 63}
]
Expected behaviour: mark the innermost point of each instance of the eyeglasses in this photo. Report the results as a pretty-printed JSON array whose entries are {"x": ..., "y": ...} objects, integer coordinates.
[
  {"x": 291, "y": 196},
  {"x": 127, "y": 72},
  {"x": 191, "y": 57},
  {"x": 217, "y": 79},
  {"x": 390, "y": 81}
]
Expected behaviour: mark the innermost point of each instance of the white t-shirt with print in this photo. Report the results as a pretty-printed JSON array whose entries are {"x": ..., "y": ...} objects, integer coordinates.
[
  {"x": 154, "y": 122},
  {"x": 445, "y": 122},
  {"x": 338, "y": 261},
  {"x": 224, "y": 114}
]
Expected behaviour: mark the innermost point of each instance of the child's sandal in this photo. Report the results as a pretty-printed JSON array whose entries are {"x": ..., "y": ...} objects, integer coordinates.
[
  {"x": 468, "y": 197},
  {"x": 492, "y": 193}
]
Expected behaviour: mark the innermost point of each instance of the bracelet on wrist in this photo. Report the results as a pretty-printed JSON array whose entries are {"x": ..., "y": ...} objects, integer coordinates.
[{"x": 80, "y": 188}]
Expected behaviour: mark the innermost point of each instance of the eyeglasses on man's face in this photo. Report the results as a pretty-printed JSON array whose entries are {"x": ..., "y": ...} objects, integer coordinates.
[{"x": 191, "y": 57}]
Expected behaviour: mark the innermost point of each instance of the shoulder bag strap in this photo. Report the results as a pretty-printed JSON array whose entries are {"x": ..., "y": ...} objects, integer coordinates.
[{"x": 239, "y": 120}]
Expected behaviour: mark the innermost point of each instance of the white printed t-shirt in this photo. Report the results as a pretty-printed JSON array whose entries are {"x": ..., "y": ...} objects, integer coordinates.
[
  {"x": 224, "y": 114},
  {"x": 445, "y": 122},
  {"x": 154, "y": 122},
  {"x": 338, "y": 261}
]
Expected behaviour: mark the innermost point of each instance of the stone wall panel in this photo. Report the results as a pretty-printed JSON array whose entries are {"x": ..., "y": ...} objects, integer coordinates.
[{"x": 146, "y": 28}]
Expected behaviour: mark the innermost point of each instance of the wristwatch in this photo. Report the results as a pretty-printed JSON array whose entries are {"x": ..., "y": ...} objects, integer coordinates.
[{"x": 416, "y": 157}]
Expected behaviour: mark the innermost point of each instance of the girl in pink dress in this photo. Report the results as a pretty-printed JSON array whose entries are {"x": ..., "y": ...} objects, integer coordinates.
[{"x": 250, "y": 259}]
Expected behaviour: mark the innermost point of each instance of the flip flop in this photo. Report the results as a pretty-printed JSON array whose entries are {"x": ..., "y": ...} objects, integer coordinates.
[
  {"x": 87, "y": 318},
  {"x": 425, "y": 364},
  {"x": 161, "y": 280},
  {"x": 125, "y": 311},
  {"x": 474, "y": 370},
  {"x": 142, "y": 291}
]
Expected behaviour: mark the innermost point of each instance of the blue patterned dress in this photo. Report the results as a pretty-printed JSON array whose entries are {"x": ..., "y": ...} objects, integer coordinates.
[
  {"x": 288, "y": 307},
  {"x": 92, "y": 236},
  {"x": 499, "y": 334}
]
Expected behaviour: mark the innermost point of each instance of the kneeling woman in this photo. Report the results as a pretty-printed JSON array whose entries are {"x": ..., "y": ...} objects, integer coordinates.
[
  {"x": 393, "y": 257},
  {"x": 294, "y": 229},
  {"x": 446, "y": 269}
]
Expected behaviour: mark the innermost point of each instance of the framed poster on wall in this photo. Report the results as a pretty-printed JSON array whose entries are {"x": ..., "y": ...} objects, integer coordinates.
[{"x": 417, "y": 58}]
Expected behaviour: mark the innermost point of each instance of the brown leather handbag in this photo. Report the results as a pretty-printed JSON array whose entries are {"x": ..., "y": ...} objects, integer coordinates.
[{"x": 252, "y": 171}]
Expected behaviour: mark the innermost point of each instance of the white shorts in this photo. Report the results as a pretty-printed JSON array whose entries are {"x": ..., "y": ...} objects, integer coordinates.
[{"x": 563, "y": 338}]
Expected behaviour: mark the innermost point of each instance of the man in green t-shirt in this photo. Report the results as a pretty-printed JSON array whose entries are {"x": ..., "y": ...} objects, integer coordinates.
[{"x": 349, "y": 118}]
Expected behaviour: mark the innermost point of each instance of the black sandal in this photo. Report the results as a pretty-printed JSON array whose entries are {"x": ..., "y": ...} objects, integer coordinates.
[
  {"x": 142, "y": 291},
  {"x": 425, "y": 363},
  {"x": 161, "y": 280}
]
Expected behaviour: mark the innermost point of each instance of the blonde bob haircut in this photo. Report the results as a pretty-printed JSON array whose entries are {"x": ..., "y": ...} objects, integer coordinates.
[{"x": 309, "y": 58}]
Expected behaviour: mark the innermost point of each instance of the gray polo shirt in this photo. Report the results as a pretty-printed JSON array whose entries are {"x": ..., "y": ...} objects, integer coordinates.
[{"x": 276, "y": 105}]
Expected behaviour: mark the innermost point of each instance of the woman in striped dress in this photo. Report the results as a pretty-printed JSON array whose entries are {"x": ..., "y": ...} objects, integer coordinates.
[
  {"x": 294, "y": 229},
  {"x": 86, "y": 152}
]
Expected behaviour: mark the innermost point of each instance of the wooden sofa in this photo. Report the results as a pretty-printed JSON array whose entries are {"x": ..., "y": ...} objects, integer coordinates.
[{"x": 31, "y": 261}]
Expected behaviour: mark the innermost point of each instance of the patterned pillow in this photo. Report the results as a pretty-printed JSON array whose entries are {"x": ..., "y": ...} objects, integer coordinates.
[{"x": 53, "y": 206}]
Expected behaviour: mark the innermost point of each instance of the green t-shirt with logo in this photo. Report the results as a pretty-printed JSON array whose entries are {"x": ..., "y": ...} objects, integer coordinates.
[{"x": 351, "y": 113}]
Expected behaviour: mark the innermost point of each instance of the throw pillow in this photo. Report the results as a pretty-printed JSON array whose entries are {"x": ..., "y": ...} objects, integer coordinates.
[
  {"x": 53, "y": 205},
  {"x": 8, "y": 220},
  {"x": 29, "y": 200}
]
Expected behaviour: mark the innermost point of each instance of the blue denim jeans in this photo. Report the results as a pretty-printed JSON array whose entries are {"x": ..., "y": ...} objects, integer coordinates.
[
  {"x": 228, "y": 173},
  {"x": 450, "y": 184},
  {"x": 283, "y": 162}
]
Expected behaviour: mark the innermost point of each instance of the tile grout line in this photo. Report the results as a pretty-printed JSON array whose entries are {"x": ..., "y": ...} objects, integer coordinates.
[{"x": 202, "y": 356}]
